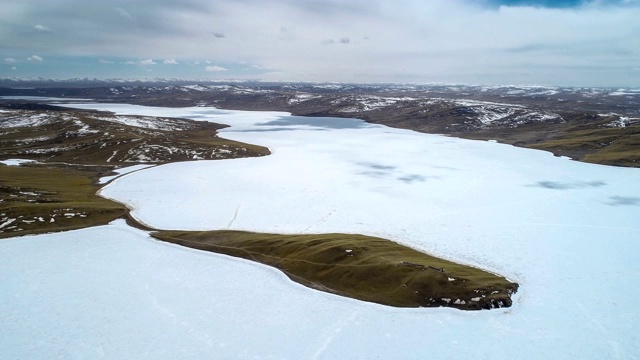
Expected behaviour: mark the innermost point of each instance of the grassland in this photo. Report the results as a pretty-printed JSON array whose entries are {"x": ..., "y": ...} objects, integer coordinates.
[
  {"x": 620, "y": 147},
  {"x": 362, "y": 267},
  {"x": 590, "y": 139},
  {"x": 44, "y": 198}
]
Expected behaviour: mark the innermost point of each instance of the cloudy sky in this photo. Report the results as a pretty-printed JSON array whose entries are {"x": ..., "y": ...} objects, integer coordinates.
[{"x": 544, "y": 42}]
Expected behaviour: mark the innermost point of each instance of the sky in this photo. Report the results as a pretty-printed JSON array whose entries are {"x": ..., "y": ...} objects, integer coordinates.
[{"x": 534, "y": 42}]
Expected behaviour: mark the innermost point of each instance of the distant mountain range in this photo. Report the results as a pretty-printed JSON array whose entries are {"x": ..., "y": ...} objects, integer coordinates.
[
  {"x": 600, "y": 125},
  {"x": 44, "y": 82}
]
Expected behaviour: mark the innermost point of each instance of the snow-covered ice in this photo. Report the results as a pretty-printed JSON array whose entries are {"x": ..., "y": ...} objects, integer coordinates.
[{"x": 566, "y": 231}]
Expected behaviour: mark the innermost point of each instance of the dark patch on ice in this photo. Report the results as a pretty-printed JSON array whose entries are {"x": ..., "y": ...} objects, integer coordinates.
[
  {"x": 376, "y": 170},
  {"x": 409, "y": 179},
  {"x": 623, "y": 201},
  {"x": 206, "y": 114},
  {"x": 375, "y": 174},
  {"x": 380, "y": 167},
  {"x": 555, "y": 185},
  {"x": 319, "y": 122}
]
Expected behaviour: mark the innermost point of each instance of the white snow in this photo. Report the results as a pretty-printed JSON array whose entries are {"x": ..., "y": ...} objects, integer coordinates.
[
  {"x": 197, "y": 87},
  {"x": 622, "y": 92},
  {"x": 85, "y": 129},
  {"x": 111, "y": 157},
  {"x": 299, "y": 98},
  {"x": 377, "y": 102},
  {"x": 367, "y": 102},
  {"x": 16, "y": 162},
  {"x": 122, "y": 171},
  {"x": 28, "y": 119},
  {"x": 466, "y": 102},
  {"x": 621, "y": 121},
  {"x": 34, "y": 140},
  {"x": 6, "y": 222},
  {"x": 488, "y": 112},
  {"x": 566, "y": 231}
]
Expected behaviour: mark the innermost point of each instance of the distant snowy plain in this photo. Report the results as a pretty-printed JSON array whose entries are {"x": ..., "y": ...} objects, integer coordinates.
[{"x": 568, "y": 232}]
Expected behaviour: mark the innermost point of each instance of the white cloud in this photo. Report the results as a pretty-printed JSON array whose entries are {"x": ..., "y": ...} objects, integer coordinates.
[
  {"x": 170, "y": 62},
  {"x": 140, "y": 62},
  {"x": 196, "y": 62},
  {"x": 213, "y": 68},
  {"x": 102, "y": 61},
  {"x": 14, "y": 68},
  {"x": 35, "y": 58},
  {"x": 10, "y": 60},
  {"x": 462, "y": 41},
  {"x": 42, "y": 28}
]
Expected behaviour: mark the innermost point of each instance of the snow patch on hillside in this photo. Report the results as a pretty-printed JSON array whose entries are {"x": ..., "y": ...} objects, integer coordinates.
[{"x": 147, "y": 122}]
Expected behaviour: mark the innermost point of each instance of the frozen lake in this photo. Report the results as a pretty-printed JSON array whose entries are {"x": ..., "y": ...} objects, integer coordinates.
[{"x": 566, "y": 231}]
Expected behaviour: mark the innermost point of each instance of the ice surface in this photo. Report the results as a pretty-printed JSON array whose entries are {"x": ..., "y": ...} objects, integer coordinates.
[{"x": 566, "y": 231}]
